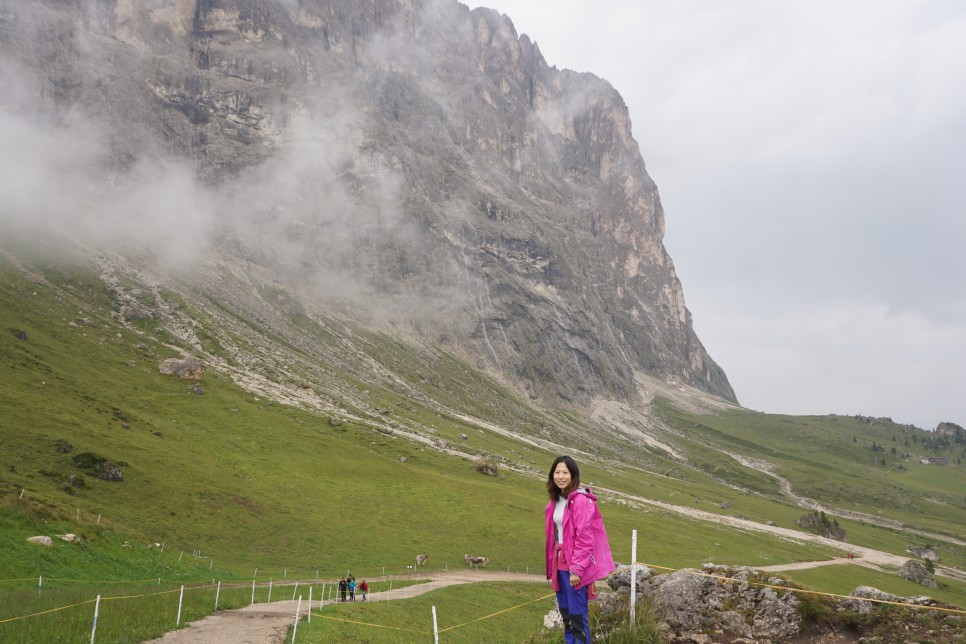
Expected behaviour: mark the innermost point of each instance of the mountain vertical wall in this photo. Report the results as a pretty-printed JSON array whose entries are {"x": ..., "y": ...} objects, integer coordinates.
[{"x": 411, "y": 163}]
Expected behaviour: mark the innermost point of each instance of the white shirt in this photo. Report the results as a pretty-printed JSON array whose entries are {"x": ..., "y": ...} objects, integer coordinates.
[{"x": 558, "y": 512}]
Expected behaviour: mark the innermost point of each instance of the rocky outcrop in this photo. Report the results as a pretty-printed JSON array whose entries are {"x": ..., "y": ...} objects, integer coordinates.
[
  {"x": 99, "y": 467},
  {"x": 689, "y": 602},
  {"x": 864, "y": 599},
  {"x": 190, "y": 368},
  {"x": 914, "y": 570},
  {"x": 726, "y": 604},
  {"x": 487, "y": 466},
  {"x": 411, "y": 163},
  {"x": 820, "y": 524},
  {"x": 924, "y": 552},
  {"x": 957, "y": 432}
]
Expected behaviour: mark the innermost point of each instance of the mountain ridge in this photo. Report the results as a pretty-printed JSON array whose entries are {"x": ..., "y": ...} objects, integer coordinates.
[{"x": 412, "y": 163}]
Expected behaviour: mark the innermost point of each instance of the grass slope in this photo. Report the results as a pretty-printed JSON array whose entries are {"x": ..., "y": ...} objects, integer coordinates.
[{"x": 311, "y": 467}]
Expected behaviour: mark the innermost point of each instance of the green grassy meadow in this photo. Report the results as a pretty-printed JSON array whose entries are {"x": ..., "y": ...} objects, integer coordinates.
[
  {"x": 349, "y": 450},
  {"x": 484, "y": 612}
]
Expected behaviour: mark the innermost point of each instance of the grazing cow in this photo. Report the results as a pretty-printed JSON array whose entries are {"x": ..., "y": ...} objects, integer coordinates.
[
  {"x": 421, "y": 560},
  {"x": 476, "y": 562}
]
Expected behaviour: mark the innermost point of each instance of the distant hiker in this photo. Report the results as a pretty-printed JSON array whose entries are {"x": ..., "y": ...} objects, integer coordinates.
[
  {"x": 343, "y": 585},
  {"x": 352, "y": 588},
  {"x": 578, "y": 553},
  {"x": 364, "y": 587}
]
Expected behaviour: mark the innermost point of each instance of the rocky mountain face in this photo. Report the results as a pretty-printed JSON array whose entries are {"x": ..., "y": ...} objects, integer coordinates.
[{"x": 410, "y": 163}]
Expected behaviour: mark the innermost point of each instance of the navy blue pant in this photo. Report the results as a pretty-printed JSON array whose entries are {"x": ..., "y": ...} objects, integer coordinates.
[{"x": 573, "y": 610}]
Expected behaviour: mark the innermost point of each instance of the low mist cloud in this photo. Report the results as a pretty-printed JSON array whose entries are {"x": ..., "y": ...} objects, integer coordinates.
[
  {"x": 58, "y": 175},
  {"x": 324, "y": 210}
]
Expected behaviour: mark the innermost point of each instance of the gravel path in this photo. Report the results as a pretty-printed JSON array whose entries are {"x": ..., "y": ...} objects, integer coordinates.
[{"x": 268, "y": 623}]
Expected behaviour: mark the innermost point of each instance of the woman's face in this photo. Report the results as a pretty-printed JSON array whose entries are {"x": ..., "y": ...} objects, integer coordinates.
[{"x": 561, "y": 476}]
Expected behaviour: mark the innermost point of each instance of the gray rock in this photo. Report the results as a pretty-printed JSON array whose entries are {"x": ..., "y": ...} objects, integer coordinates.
[
  {"x": 868, "y": 592},
  {"x": 693, "y": 603},
  {"x": 621, "y": 578},
  {"x": 914, "y": 570},
  {"x": 486, "y": 466},
  {"x": 190, "y": 368},
  {"x": 137, "y": 313},
  {"x": 108, "y": 471},
  {"x": 920, "y": 600},
  {"x": 818, "y": 523},
  {"x": 855, "y": 603},
  {"x": 553, "y": 620},
  {"x": 924, "y": 552}
]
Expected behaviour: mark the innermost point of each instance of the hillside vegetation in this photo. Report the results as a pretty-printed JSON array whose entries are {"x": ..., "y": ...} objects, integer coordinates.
[{"x": 316, "y": 444}]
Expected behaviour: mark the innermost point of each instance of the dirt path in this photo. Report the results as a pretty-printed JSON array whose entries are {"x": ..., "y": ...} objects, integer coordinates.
[
  {"x": 868, "y": 557},
  {"x": 268, "y": 623}
]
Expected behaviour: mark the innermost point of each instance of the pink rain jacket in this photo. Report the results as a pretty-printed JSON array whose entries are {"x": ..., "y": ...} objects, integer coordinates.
[{"x": 585, "y": 543}]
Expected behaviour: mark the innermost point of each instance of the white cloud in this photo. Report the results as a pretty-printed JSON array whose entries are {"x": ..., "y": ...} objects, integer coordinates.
[
  {"x": 846, "y": 358},
  {"x": 57, "y": 178}
]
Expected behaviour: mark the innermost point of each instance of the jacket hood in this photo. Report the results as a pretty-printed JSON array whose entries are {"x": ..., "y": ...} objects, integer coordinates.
[{"x": 585, "y": 491}]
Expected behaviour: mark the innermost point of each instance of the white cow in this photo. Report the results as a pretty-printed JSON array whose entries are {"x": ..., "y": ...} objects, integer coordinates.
[{"x": 476, "y": 562}]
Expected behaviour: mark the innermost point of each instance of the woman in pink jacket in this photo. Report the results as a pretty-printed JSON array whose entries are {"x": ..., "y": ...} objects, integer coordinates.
[{"x": 578, "y": 553}]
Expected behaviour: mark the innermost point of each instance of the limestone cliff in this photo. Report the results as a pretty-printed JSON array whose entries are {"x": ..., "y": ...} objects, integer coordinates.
[{"x": 411, "y": 162}]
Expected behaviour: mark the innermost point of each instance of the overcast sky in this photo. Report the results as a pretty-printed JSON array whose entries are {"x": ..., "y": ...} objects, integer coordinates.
[{"x": 811, "y": 159}]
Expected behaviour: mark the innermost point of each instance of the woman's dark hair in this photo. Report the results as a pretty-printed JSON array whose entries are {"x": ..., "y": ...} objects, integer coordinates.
[{"x": 552, "y": 489}]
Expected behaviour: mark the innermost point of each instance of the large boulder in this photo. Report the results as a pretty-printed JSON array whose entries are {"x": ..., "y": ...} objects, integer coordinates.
[
  {"x": 818, "y": 523},
  {"x": 715, "y": 598},
  {"x": 190, "y": 368},
  {"x": 914, "y": 570},
  {"x": 855, "y": 603},
  {"x": 621, "y": 578},
  {"x": 924, "y": 552},
  {"x": 99, "y": 467},
  {"x": 487, "y": 466}
]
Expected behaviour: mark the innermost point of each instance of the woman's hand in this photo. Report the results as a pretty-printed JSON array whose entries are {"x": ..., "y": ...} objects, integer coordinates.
[{"x": 574, "y": 580}]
